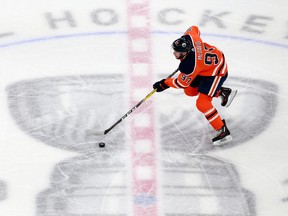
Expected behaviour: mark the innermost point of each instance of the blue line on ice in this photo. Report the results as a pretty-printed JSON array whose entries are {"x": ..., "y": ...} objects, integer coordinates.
[{"x": 89, "y": 34}]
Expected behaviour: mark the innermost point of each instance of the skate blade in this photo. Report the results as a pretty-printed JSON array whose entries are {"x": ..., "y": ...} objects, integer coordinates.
[
  {"x": 223, "y": 141},
  {"x": 231, "y": 97}
]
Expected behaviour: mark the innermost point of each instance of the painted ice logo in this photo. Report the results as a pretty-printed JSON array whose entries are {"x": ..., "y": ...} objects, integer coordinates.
[
  {"x": 3, "y": 190},
  {"x": 253, "y": 24},
  {"x": 56, "y": 112},
  {"x": 285, "y": 199}
]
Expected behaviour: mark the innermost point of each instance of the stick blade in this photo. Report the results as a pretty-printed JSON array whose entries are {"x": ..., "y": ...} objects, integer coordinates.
[{"x": 94, "y": 132}]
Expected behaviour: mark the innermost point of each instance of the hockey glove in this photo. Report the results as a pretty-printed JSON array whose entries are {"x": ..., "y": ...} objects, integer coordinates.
[{"x": 160, "y": 86}]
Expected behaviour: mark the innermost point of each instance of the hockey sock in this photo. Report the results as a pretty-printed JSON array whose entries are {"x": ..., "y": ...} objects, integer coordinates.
[{"x": 204, "y": 105}]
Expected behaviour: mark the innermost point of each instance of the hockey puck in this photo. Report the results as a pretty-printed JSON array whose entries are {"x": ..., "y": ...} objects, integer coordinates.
[{"x": 101, "y": 144}]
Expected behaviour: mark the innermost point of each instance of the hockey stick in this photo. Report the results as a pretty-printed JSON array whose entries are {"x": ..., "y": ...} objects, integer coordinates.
[{"x": 94, "y": 132}]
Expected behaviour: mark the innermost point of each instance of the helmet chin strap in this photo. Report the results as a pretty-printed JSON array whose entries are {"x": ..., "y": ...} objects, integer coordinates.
[{"x": 182, "y": 56}]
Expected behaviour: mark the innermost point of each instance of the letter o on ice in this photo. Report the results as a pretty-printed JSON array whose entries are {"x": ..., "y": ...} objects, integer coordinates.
[
  {"x": 104, "y": 16},
  {"x": 167, "y": 16}
]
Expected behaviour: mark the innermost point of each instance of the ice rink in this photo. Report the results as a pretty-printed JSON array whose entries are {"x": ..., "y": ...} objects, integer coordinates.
[{"x": 67, "y": 66}]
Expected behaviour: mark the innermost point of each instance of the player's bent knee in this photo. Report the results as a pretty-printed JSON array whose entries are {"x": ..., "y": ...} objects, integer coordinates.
[
  {"x": 190, "y": 91},
  {"x": 203, "y": 103},
  {"x": 202, "y": 106}
]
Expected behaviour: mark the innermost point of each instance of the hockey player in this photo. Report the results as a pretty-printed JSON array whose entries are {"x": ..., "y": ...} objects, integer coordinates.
[{"x": 203, "y": 70}]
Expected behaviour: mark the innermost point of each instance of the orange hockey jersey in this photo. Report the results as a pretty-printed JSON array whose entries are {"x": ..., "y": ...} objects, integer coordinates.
[{"x": 203, "y": 60}]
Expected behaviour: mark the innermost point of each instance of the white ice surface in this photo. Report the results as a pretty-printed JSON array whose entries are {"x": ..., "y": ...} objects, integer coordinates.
[{"x": 31, "y": 50}]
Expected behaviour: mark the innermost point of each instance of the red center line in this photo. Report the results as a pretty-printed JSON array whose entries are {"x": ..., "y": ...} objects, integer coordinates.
[{"x": 144, "y": 179}]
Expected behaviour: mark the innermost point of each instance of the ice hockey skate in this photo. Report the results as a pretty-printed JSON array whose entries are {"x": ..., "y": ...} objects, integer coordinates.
[
  {"x": 223, "y": 136},
  {"x": 227, "y": 95}
]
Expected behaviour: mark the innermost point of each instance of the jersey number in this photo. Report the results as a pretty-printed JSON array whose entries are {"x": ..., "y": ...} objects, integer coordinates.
[
  {"x": 211, "y": 58},
  {"x": 185, "y": 79}
]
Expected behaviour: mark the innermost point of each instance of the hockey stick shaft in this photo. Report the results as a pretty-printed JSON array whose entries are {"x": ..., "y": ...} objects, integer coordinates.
[
  {"x": 130, "y": 111},
  {"x": 133, "y": 108}
]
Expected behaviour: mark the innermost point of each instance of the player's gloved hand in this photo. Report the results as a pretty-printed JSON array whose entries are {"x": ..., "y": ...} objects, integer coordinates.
[{"x": 160, "y": 86}]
